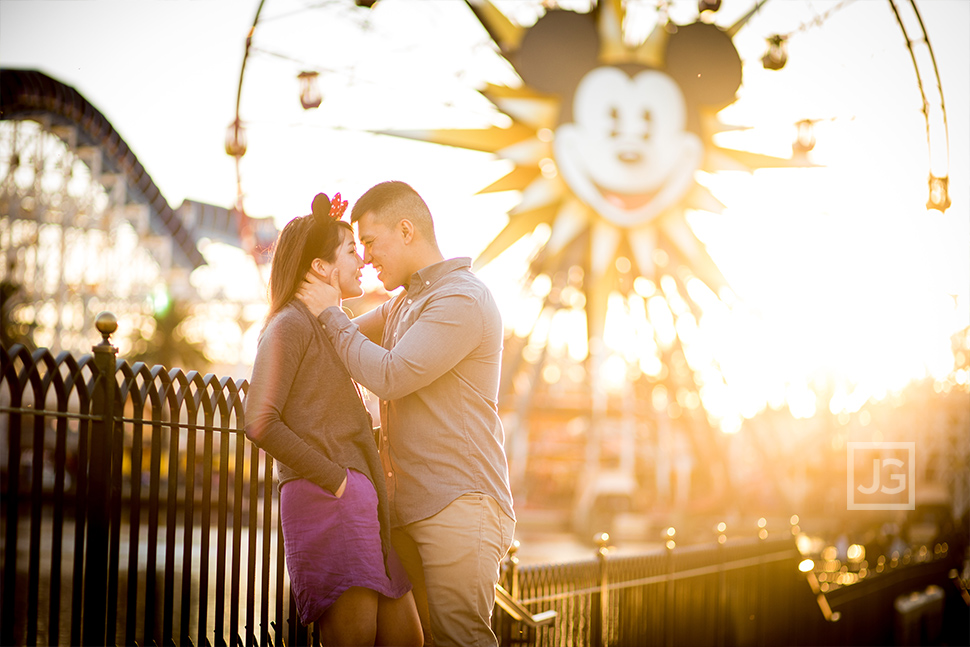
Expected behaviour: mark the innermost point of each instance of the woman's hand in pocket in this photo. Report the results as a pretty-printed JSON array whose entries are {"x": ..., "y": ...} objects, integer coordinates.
[{"x": 340, "y": 490}]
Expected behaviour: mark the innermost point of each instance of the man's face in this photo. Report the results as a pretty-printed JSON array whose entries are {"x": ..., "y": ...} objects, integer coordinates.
[{"x": 384, "y": 250}]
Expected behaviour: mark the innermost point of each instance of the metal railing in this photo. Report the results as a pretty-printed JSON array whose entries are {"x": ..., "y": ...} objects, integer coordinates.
[
  {"x": 136, "y": 511},
  {"x": 743, "y": 591},
  {"x": 134, "y": 508},
  {"x": 696, "y": 595}
]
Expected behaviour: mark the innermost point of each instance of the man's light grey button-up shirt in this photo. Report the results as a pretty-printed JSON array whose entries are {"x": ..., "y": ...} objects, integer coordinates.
[{"x": 437, "y": 374}]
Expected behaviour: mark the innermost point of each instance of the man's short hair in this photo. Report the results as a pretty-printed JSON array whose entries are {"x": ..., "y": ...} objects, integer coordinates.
[{"x": 394, "y": 201}]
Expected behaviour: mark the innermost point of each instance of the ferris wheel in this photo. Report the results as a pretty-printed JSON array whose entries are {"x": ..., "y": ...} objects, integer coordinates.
[{"x": 608, "y": 127}]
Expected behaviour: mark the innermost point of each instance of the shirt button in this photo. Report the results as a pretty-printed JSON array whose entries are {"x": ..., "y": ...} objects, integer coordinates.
[
  {"x": 409, "y": 301},
  {"x": 427, "y": 282},
  {"x": 390, "y": 474}
]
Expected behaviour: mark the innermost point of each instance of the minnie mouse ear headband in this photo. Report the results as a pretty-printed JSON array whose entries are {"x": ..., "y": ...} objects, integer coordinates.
[
  {"x": 326, "y": 209},
  {"x": 322, "y": 232}
]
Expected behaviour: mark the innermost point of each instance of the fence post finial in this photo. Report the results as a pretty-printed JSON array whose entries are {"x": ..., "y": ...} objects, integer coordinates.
[{"x": 106, "y": 323}]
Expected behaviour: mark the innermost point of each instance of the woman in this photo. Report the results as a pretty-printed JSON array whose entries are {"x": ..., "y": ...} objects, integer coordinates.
[{"x": 304, "y": 409}]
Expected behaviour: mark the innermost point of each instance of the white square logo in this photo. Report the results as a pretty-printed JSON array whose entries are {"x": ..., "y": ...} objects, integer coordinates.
[{"x": 881, "y": 476}]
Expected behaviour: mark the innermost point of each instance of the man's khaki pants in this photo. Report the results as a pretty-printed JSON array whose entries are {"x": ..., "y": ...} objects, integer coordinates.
[{"x": 453, "y": 559}]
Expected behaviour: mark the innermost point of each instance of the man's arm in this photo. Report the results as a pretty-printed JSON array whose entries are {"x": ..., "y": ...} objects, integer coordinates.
[{"x": 449, "y": 327}]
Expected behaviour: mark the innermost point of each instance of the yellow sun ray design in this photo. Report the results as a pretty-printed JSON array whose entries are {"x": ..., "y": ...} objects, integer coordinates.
[{"x": 652, "y": 235}]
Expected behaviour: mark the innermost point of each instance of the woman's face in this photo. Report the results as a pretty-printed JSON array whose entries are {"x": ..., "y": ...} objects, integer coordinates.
[{"x": 349, "y": 264}]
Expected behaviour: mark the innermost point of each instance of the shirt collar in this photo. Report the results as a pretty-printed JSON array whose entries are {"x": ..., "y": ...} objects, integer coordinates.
[{"x": 427, "y": 276}]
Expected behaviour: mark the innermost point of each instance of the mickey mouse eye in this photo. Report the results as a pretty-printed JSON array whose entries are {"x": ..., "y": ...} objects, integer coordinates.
[
  {"x": 615, "y": 116},
  {"x": 648, "y": 120}
]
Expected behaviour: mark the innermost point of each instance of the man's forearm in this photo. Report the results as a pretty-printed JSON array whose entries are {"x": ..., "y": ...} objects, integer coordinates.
[{"x": 432, "y": 346}]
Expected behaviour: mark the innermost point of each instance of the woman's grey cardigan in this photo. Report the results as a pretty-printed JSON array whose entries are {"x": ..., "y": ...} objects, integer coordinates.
[{"x": 304, "y": 409}]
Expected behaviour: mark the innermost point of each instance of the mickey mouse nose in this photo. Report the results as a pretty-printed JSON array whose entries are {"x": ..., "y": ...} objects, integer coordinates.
[{"x": 629, "y": 157}]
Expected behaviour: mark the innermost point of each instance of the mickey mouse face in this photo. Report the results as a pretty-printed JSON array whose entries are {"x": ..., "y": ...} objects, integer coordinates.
[
  {"x": 627, "y": 154},
  {"x": 606, "y": 140},
  {"x": 627, "y": 143}
]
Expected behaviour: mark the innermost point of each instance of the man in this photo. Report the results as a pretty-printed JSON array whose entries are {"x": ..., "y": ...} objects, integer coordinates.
[{"x": 436, "y": 372}]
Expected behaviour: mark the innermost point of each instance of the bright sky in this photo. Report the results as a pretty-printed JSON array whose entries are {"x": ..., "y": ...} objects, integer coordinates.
[{"x": 845, "y": 276}]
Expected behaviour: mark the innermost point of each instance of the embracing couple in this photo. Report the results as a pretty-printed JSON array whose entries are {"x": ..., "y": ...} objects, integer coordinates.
[{"x": 398, "y": 541}]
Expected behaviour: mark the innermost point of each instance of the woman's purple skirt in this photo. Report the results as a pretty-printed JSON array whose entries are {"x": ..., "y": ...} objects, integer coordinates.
[{"x": 333, "y": 544}]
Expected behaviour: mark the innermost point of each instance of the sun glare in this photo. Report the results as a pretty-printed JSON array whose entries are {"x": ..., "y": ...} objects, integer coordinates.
[{"x": 837, "y": 294}]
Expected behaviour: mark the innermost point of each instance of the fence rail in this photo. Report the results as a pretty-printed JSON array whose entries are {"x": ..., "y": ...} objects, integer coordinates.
[
  {"x": 135, "y": 511},
  {"x": 696, "y": 595}
]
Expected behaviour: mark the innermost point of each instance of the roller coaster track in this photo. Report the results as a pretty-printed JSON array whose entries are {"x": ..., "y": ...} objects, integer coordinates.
[{"x": 32, "y": 95}]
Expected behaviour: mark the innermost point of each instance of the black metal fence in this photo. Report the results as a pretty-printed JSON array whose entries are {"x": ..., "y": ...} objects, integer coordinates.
[
  {"x": 134, "y": 508},
  {"x": 136, "y": 511},
  {"x": 745, "y": 591}
]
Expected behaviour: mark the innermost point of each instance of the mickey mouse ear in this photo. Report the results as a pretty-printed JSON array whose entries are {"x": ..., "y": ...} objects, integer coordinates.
[
  {"x": 705, "y": 63},
  {"x": 558, "y": 51},
  {"x": 321, "y": 207}
]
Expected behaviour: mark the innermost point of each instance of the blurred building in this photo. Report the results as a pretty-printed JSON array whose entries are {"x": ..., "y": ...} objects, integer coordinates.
[{"x": 84, "y": 228}]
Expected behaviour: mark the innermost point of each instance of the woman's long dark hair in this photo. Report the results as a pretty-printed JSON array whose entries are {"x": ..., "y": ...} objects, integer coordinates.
[{"x": 302, "y": 240}]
